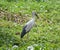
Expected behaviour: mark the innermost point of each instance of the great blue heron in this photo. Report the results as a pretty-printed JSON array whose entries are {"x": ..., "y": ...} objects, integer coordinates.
[{"x": 29, "y": 24}]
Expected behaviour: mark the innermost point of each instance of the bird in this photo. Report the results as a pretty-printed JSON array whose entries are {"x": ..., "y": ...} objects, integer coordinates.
[{"x": 29, "y": 24}]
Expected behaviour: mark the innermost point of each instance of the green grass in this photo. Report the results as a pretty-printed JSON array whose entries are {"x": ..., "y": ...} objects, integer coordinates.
[{"x": 46, "y": 33}]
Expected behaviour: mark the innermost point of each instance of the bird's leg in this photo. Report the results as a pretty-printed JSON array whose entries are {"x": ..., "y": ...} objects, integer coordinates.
[
  {"x": 28, "y": 36},
  {"x": 22, "y": 41}
]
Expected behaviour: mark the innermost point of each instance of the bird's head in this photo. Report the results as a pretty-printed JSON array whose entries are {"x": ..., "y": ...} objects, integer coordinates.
[{"x": 34, "y": 14}]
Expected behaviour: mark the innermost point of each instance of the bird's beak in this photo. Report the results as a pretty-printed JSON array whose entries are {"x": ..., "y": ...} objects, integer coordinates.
[{"x": 37, "y": 15}]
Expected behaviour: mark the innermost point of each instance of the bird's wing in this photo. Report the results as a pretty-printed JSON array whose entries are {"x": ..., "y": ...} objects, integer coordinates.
[{"x": 29, "y": 25}]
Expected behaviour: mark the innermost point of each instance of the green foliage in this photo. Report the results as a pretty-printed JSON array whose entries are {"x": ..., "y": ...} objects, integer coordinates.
[
  {"x": 7, "y": 33},
  {"x": 47, "y": 32}
]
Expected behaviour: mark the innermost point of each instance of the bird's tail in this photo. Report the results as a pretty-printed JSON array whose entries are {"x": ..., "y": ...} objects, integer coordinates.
[{"x": 23, "y": 33}]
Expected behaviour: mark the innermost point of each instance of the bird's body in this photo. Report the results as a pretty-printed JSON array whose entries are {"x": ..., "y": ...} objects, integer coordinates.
[{"x": 28, "y": 25}]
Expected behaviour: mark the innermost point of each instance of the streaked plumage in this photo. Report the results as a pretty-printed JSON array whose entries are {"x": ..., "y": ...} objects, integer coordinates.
[{"x": 28, "y": 25}]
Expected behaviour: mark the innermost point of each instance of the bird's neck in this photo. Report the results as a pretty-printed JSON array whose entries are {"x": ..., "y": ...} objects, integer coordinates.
[{"x": 33, "y": 18}]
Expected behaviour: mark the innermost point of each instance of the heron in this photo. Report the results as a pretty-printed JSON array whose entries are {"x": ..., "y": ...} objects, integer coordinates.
[{"x": 29, "y": 24}]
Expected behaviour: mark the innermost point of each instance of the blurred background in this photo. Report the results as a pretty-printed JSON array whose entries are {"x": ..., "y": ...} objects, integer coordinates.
[{"x": 45, "y": 35}]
